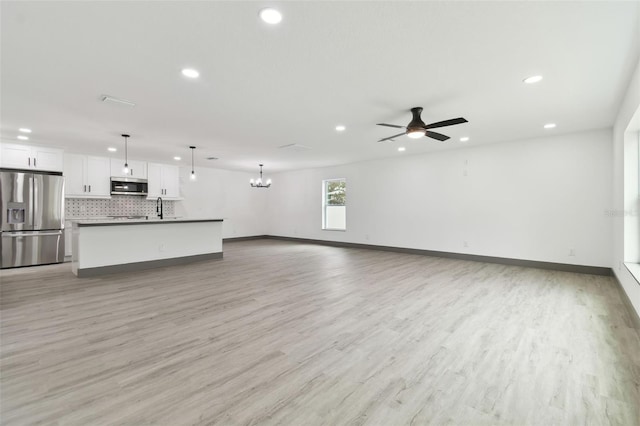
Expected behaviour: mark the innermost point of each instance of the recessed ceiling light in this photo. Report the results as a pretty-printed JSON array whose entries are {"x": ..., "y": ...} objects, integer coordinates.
[
  {"x": 24, "y": 130},
  {"x": 190, "y": 72},
  {"x": 23, "y": 138},
  {"x": 112, "y": 149},
  {"x": 533, "y": 79},
  {"x": 340, "y": 128},
  {"x": 177, "y": 158},
  {"x": 270, "y": 16},
  {"x": 550, "y": 125},
  {"x": 402, "y": 148},
  {"x": 464, "y": 139}
]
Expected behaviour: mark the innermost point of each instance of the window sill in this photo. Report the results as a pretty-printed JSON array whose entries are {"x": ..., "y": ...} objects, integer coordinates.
[{"x": 634, "y": 269}]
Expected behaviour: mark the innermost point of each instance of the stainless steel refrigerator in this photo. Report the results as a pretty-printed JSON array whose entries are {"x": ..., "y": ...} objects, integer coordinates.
[{"x": 32, "y": 218}]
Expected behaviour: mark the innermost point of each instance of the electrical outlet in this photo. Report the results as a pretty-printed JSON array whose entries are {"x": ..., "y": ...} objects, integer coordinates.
[
  {"x": 161, "y": 247},
  {"x": 366, "y": 237},
  {"x": 572, "y": 252},
  {"x": 465, "y": 244}
]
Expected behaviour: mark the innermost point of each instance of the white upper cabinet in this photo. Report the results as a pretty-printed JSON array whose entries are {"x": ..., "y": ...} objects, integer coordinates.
[
  {"x": 164, "y": 181},
  {"x": 87, "y": 176},
  {"x": 27, "y": 157},
  {"x": 137, "y": 169}
]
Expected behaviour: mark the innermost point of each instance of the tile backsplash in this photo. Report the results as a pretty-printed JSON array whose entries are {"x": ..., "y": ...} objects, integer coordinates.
[{"x": 118, "y": 205}]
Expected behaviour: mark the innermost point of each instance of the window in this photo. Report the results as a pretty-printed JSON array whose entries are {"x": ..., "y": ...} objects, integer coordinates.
[{"x": 334, "y": 207}]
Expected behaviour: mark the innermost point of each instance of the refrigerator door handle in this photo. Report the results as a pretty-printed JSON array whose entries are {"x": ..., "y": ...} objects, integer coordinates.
[
  {"x": 34, "y": 196},
  {"x": 30, "y": 234}
]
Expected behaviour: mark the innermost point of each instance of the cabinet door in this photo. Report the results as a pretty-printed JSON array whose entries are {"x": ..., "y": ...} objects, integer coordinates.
[
  {"x": 117, "y": 165},
  {"x": 15, "y": 156},
  {"x": 49, "y": 159},
  {"x": 74, "y": 182},
  {"x": 138, "y": 169},
  {"x": 171, "y": 181},
  {"x": 154, "y": 173},
  {"x": 98, "y": 176}
]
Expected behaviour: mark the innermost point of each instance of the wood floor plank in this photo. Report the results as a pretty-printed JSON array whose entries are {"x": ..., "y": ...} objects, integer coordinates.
[{"x": 299, "y": 334}]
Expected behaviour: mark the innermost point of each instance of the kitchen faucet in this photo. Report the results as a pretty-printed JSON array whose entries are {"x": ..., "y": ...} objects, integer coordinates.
[{"x": 159, "y": 208}]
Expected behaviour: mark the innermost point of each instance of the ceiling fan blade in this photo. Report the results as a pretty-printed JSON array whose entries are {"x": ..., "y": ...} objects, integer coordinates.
[
  {"x": 391, "y": 125},
  {"x": 437, "y": 136},
  {"x": 444, "y": 123},
  {"x": 391, "y": 137}
]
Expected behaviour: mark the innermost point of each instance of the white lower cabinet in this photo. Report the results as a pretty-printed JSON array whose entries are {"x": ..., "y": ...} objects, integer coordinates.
[
  {"x": 164, "y": 181},
  {"x": 87, "y": 176}
]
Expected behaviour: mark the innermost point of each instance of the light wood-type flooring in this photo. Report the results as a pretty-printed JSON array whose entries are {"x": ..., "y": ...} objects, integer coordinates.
[{"x": 298, "y": 334}]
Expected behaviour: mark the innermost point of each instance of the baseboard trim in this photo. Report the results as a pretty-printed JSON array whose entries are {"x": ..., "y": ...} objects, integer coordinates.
[
  {"x": 253, "y": 237},
  {"x": 581, "y": 269},
  {"x": 635, "y": 317},
  {"x": 150, "y": 264}
]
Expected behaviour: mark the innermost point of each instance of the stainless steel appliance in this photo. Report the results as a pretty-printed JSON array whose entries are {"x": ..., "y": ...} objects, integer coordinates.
[
  {"x": 129, "y": 186},
  {"x": 32, "y": 218}
]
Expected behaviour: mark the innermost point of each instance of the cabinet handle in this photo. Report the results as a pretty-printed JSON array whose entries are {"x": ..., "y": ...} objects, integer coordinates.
[
  {"x": 85, "y": 188},
  {"x": 131, "y": 172},
  {"x": 89, "y": 188},
  {"x": 34, "y": 163},
  {"x": 29, "y": 158}
]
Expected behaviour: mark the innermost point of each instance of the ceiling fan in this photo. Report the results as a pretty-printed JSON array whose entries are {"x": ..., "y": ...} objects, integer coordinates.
[{"x": 417, "y": 129}]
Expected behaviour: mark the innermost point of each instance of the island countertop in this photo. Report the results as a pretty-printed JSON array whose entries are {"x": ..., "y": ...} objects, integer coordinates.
[{"x": 120, "y": 222}]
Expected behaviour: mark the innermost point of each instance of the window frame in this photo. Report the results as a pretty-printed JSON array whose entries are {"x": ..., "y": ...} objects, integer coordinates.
[{"x": 325, "y": 184}]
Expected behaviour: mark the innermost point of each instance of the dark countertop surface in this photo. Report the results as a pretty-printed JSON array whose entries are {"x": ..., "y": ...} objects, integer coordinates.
[{"x": 124, "y": 222}]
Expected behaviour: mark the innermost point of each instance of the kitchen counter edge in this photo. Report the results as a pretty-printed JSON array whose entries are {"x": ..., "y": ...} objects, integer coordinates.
[{"x": 139, "y": 222}]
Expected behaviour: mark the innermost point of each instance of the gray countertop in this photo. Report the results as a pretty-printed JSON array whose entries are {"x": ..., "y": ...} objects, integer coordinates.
[{"x": 154, "y": 221}]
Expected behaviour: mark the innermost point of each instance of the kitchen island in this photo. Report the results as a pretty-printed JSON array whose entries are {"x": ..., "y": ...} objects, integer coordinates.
[{"x": 110, "y": 246}]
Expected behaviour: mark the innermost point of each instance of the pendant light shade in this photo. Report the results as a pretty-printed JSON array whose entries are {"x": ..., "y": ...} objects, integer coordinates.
[
  {"x": 259, "y": 183},
  {"x": 125, "y": 170},
  {"x": 193, "y": 172}
]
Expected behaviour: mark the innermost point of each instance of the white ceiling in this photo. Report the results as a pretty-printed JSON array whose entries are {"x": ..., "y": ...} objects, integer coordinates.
[{"x": 327, "y": 63}]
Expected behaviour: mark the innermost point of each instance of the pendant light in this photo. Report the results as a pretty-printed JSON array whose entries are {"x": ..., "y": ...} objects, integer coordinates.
[
  {"x": 193, "y": 172},
  {"x": 125, "y": 170},
  {"x": 258, "y": 183}
]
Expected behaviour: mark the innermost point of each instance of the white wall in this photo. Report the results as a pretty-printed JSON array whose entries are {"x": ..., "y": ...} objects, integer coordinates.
[
  {"x": 533, "y": 199},
  {"x": 224, "y": 194},
  {"x": 628, "y": 108}
]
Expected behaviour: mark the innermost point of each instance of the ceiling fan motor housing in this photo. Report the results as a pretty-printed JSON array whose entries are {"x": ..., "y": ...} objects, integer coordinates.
[{"x": 416, "y": 124}]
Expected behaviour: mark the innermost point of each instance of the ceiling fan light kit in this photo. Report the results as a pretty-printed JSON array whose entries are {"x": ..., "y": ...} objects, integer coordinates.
[{"x": 417, "y": 129}]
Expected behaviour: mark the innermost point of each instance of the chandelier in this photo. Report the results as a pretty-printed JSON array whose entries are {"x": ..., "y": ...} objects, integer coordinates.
[{"x": 258, "y": 183}]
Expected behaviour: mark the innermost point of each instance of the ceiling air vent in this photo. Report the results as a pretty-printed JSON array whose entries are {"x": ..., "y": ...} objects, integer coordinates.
[
  {"x": 112, "y": 99},
  {"x": 295, "y": 147}
]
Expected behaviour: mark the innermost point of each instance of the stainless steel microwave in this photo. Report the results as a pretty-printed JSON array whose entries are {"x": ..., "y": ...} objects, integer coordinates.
[{"x": 129, "y": 186}]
